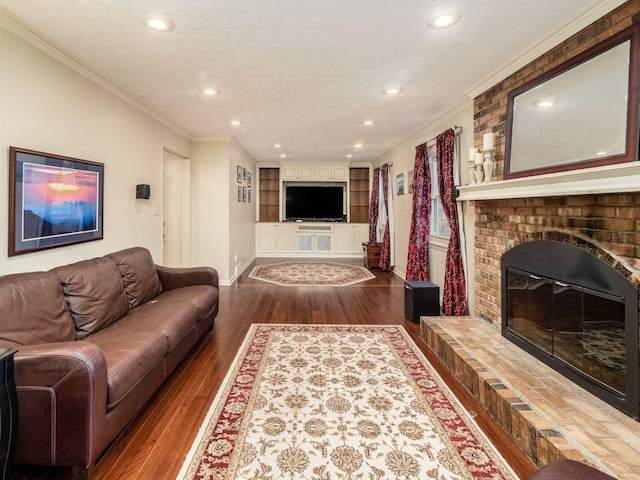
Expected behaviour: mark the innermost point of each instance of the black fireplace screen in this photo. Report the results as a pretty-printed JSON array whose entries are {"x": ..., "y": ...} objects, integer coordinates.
[{"x": 560, "y": 308}]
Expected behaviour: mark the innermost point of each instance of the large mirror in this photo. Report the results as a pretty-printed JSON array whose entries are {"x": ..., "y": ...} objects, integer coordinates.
[{"x": 580, "y": 114}]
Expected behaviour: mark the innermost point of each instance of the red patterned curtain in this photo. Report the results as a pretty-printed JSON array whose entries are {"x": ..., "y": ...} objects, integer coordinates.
[
  {"x": 418, "y": 260},
  {"x": 454, "y": 296},
  {"x": 385, "y": 250},
  {"x": 373, "y": 206}
]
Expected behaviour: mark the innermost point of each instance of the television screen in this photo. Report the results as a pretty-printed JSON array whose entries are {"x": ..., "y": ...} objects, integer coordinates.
[{"x": 314, "y": 203}]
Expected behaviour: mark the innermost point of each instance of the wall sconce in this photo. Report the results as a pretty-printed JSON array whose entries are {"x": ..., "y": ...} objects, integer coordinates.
[
  {"x": 143, "y": 191},
  {"x": 487, "y": 148}
]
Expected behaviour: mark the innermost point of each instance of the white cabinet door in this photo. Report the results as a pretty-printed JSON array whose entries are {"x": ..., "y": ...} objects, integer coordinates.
[
  {"x": 323, "y": 243},
  {"x": 306, "y": 173},
  {"x": 267, "y": 238},
  {"x": 286, "y": 238},
  {"x": 360, "y": 236},
  {"x": 340, "y": 172},
  {"x": 343, "y": 238},
  {"x": 289, "y": 172}
]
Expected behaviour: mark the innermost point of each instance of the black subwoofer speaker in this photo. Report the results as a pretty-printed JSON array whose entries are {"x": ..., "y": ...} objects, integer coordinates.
[{"x": 421, "y": 298}]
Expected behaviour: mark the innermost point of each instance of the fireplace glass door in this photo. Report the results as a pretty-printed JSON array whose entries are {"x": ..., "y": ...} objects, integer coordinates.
[{"x": 582, "y": 328}]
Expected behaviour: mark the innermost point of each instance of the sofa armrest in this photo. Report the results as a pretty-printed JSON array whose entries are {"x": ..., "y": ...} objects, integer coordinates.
[
  {"x": 172, "y": 277},
  {"x": 62, "y": 403}
]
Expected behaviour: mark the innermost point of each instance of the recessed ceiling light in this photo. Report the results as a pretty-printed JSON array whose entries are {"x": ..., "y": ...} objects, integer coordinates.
[
  {"x": 277, "y": 145},
  {"x": 158, "y": 23},
  {"x": 349, "y": 155},
  {"x": 392, "y": 91},
  {"x": 235, "y": 123},
  {"x": 358, "y": 145},
  {"x": 544, "y": 104},
  {"x": 283, "y": 155},
  {"x": 443, "y": 19},
  {"x": 368, "y": 122},
  {"x": 210, "y": 91},
  {"x": 601, "y": 154}
]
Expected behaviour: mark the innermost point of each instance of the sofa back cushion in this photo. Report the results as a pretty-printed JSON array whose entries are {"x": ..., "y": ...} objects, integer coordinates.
[
  {"x": 141, "y": 282},
  {"x": 33, "y": 310},
  {"x": 94, "y": 293}
]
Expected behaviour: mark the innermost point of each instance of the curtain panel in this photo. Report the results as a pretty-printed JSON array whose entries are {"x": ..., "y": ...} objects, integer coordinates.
[
  {"x": 418, "y": 256},
  {"x": 373, "y": 206},
  {"x": 454, "y": 296},
  {"x": 385, "y": 252}
]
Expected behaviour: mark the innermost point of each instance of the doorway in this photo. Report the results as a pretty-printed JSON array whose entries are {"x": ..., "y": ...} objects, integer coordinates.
[{"x": 176, "y": 222}]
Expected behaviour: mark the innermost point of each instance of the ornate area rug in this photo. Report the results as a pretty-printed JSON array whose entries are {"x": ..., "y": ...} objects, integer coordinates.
[
  {"x": 312, "y": 274},
  {"x": 325, "y": 402}
]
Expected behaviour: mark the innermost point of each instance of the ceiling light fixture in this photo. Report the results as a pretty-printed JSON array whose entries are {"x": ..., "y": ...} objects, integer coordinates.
[
  {"x": 277, "y": 145},
  {"x": 158, "y": 23},
  {"x": 235, "y": 123},
  {"x": 544, "y": 104},
  {"x": 442, "y": 20},
  {"x": 358, "y": 145},
  {"x": 349, "y": 155},
  {"x": 283, "y": 155},
  {"x": 392, "y": 91},
  {"x": 368, "y": 122},
  {"x": 210, "y": 92}
]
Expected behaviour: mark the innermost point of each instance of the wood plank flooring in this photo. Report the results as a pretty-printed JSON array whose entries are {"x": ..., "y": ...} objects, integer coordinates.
[{"x": 155, "y": 443}]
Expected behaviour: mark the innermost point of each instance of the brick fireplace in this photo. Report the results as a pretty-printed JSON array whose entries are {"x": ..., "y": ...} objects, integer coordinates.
[{"x": 599, "y": 216}]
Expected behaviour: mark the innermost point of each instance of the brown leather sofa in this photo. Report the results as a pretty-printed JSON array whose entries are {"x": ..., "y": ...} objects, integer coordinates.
[{"x": 95, "y": 340}]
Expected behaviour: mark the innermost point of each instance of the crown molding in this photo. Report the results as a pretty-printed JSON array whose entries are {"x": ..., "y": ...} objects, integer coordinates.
[
  {"x": 596, "y": 11},
  {"x": 14, "y": 26}
]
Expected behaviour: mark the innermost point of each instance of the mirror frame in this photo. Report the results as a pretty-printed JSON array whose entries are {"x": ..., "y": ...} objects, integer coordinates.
[{"x": 631, "y": 148}]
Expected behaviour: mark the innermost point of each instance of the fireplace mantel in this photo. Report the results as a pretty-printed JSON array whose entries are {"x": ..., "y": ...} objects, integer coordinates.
[{"x": 620, "y": 178}]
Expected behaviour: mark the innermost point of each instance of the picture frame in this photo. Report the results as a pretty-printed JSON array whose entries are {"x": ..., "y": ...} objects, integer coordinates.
[
  {"x": 543, "y": 135},
  {"x": 410, "y": 181},
  {"x": 244, "y": 173},
  {"x": 239, "y": 194},
  {"x": 248, "y": 179},
  {"x": 239, "y": 173},
  {"x": 249, "y": 195},
  {"x": 54, "y": 201},
  {"x": 400, "y": 184},
  {"x": 244, "y": 194}
]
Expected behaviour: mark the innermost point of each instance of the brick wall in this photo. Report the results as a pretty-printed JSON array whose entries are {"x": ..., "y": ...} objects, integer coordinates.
[
  {"x": 490, "y": 107},
  {"x": 611, "y": 223}
]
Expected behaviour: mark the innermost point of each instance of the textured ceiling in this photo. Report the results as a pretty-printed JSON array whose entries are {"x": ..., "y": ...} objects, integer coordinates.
[{"x": 305, "y": 74}]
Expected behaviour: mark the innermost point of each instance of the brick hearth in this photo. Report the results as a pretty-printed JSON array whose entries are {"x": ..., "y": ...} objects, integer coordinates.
[{"x": 546, "y": 415}]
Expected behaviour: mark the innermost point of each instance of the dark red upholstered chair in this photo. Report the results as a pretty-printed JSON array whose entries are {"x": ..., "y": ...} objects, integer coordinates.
[{"x": 569, "y": 470}]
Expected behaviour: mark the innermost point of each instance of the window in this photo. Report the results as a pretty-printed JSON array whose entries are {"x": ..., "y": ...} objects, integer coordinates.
[{"x": 439, "y": 223}]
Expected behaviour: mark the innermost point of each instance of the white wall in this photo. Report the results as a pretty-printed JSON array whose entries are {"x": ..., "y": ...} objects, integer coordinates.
[
  {"x": 210, "y": 193},
  {"x": 242, "y": 221},
  {"x": 47, "y": 106},
  {"x": 403, "y": 158}
]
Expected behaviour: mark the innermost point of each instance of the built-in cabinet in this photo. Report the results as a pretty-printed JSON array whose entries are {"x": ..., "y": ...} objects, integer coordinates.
[
  {"x": 318, "y": 172},
  {"x": 275, "y": 238},
  {"x": 311, "y": 239}
]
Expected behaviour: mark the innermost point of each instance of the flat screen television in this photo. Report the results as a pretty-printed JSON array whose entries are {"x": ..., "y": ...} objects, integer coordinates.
[{"x": 315, "y": 202}]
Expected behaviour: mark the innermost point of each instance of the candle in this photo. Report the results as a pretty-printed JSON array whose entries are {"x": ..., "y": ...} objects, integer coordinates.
[
  {"x": 472, "y": 154},
  {"x": 487, "y": 141},
  {"x": 479, "y": 158}
]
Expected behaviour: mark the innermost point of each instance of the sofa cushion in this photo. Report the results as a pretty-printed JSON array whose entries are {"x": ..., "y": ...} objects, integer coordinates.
[
  {"x": 33, "y": 310},
  {"x": 173, "y": 319},
  {"x": 139, "y": 274},
  {"x": 130, "y": 353},
  {"x": 94, "y": 293},
  {"x": 203, "y": 297}
]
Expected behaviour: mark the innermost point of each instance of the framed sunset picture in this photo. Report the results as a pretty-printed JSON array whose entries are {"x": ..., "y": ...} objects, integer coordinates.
[{"x": 54, "y": 201}]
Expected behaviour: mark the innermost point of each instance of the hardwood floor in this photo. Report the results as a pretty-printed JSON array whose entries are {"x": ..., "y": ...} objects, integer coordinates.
[{"x": 155, "y": 443}]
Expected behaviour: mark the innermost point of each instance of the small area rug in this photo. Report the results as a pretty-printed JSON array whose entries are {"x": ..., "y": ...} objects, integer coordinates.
[
  {"x": 324, "y": 402},
  {"x": 311, "y": 274}
]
